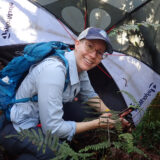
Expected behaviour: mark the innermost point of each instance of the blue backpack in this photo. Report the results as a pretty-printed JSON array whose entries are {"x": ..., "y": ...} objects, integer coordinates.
[{"x": 12, "y": 75}]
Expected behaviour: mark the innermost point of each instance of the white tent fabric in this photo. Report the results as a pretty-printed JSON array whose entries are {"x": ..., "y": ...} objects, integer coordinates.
[
  {"x": 134, "y": 77},
  {"x": 23, "y": 22}
]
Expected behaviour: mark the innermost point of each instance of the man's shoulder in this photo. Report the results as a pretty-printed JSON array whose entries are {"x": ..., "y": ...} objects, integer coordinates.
[
  {"x": 52, "y": 60},
  {"x": 50, "y": 63}
]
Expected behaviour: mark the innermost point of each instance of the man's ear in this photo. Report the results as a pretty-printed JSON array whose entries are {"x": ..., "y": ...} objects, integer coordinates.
[{"x": 76, "y": 43}]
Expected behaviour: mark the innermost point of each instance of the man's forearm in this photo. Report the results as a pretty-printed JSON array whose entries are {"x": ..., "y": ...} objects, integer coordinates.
[
  {"x": 85, "y": 126},
  {"x": 102, "y": 121}
]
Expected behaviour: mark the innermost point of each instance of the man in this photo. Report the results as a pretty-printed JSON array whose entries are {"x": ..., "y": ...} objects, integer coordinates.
[{"x": 54, "y": 109}]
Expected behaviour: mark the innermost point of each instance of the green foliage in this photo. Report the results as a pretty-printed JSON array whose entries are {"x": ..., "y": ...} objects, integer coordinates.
[
  {"x": 115, "y": 137},
  {"x": 61, "y": 150},
  {"x": 147, "y": 132},
  {"x": 118, "y": 124},
  {"x": 107, "y": 138},
  {"x": 136, "y": 104},
  {"x": 132, "y": 27},
  {"x": 38, "y": 139},
  {"x": 126, "y": 143},
  {"x": 96, "y": 147},
  {"x": 65, "y": 151}
]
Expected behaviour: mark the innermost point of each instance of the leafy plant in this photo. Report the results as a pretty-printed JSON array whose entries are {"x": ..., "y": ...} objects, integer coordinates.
[
  {"x": 106, "y": 139},
  {"x": 147, "y": 132},
  {"x": 136, "y": 104},
  {"x": 133, "y": 27},
  {"x": 96, "y": 147},
  {"x": 62, "y": 150},
  {"x": 115, "y": 137},
  {"x": 127, "y": 144}
]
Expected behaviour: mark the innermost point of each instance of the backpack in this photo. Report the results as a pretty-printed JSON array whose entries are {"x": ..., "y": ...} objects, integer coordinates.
[{"x": 12, "y": 75}]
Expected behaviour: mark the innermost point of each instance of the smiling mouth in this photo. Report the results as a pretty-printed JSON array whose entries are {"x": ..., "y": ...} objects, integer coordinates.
[{"x": 88, "y": 61}]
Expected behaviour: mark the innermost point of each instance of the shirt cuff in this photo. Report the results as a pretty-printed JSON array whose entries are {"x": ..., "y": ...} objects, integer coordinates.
[{"x": 73, "y": 131}]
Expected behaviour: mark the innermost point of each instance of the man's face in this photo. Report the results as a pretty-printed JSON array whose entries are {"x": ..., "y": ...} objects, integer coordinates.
[{"x": 89, "y": 53}]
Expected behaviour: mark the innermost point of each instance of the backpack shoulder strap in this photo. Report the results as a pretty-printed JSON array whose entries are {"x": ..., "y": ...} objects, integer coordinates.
[
  {"x": 11, "y": 75},
  {"x": 56, "y": 49}
]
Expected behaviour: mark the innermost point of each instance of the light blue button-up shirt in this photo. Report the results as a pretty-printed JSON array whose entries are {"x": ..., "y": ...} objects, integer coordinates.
[{"x": 47, "y": 79}]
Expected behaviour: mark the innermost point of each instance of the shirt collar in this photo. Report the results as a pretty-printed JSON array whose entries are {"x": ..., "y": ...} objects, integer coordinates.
[{"x": 74, "y": 76}]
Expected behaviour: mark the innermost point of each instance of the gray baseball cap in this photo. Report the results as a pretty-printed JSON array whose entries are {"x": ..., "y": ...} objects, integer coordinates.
[{"x": 96, "y": 33}]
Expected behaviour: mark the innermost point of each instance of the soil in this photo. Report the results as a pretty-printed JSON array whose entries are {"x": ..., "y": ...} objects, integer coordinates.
[{"x": 90, "y": 138}]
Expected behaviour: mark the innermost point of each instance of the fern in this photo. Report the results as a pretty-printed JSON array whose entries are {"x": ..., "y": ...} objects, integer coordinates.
[
  {"x": 61, "y": 150},
  {"x": 94, "y": 103},
  {"x": 96, "y": 147},
  {"x": 66, "y": 151},
  {"x": 126, "y": 143},
  {"x": 38, "y": 139},
  {"x": 150, "y": 125},
  {"x": 117, "y": 145},
  {"x": 118, "y": 124},
  {"x": 136, "y": 104}
]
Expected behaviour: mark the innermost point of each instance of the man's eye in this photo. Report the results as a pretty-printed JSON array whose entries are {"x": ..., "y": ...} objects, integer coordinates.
[
  {"x": 100, "y": 53},
  {"x": 90, "y": 46}
]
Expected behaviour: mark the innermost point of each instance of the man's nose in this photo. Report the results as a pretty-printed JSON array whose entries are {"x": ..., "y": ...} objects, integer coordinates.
[{"x": 93, "y": 54}]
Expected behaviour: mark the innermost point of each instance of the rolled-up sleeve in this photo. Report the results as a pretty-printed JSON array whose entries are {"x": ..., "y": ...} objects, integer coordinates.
[
  {"x": 86, "y": 89},
  {"x": 50, "y": 86}
]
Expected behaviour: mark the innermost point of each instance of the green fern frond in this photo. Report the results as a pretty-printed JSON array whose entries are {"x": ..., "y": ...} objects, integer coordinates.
[
  {"x": 115, "y": 116},
  {"x": 61, "y": 150},
  {"x": 117, "y": 145},
  {"x": 65, "y": 151},
  {"x": 11, "y": 135},
  {"x": 38, "y": 139},
  {"x": 128, "y": 148},
  {"x": 96, "y": 147},
  {"x": 127, "y": 137},
  {"x": 127, "y": 144},
  {"x": 54, "y": 143},
  {"x": 136, "y": 106},
  {"x": 137, "y": 150}
]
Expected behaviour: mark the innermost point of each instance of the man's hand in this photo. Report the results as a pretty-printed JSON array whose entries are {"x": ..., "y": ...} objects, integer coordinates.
[
  {"x": 106, "y": 121},
  {"x": 125, "y": 123}
]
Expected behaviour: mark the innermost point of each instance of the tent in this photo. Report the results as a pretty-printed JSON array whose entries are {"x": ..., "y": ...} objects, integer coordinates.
[{"x": 130, "y": 68}]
